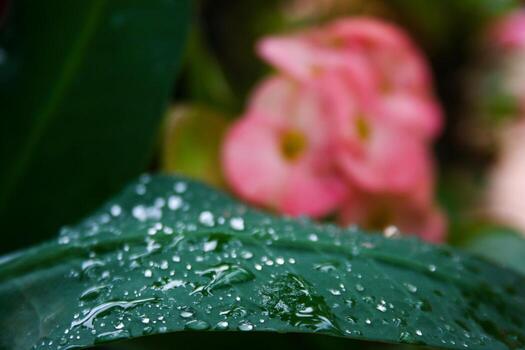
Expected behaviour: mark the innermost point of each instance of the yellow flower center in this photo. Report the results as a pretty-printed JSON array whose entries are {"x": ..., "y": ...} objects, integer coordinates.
[
  {"x": 293, "y": 144},
  {"x": 362, "y": 128}
]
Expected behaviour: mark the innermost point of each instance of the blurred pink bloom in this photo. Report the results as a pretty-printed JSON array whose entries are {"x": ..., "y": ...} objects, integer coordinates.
[
  {"x": 509, "y": 31},
  {"x": 275, "y": 155},
  {"x": 378, "y": 212},
  {"x": 377, "y": 153},
  {"x": 378, "y": 57},
  {"x": 346, "y": 125},
  {"x": 387, "y": 162},
  {"x": 506, "y": 191}
]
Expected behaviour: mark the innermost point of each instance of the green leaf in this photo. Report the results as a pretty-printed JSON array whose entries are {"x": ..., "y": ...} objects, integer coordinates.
[
  {"x": 498, "y": 244},
  {"x": 83, "y": 89},
  {"x": 169, "y": 254},
  {"x": 192, "y": 139}
]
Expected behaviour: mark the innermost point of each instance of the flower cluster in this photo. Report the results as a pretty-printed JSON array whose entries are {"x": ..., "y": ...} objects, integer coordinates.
[
  {"x": 506, "y": 188},
  {"x": 345, "y": 126}
]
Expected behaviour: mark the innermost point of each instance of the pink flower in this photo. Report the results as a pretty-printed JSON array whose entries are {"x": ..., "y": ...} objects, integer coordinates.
[
  {"x": 376, "y": 152},
  {"x": 507, "y": 182},
  {"x": 346, "y": 126},
  {"x": 409, "y": 215},
  {"x": 275, "y": 155},
  {"x": 509, "y": 31},
  {"x": 378, "y": 58}
]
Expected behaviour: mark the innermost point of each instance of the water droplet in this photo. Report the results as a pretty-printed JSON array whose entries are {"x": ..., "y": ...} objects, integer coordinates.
[
  {"x": 381, "y": 307},
  {"x": 197, "y": 325},
  {"x": 418, "y": 332},
  {"x": 313, "y": 237},
  {"x": 391, "y": 232},
  {"x": 210, "y": 245},
  {"x": 237, "y": 224},
  {"x": 87, "y": 320},
  {"x": 206, "y": 218},
  {"x": 359, "y": 287},
  {"x": 171, "y": 284},
  {"x": 115, "y": 210},
  {"x": 140, "y": 189},
  {"x": 327, "y": 266},
  {"x": 186, "y": 313},
  {"x": 63, "y": 240},
  {"x": 111, "y": 336},
  {"x": 91, "y": 263},
  {"x": 246, "y": 255},
  {"x": 411, "y": 288},
  {"x": 222, "y": 325},
  {"x": 180, "y": 187},
  {"x": 143, "y": 213},
  {"x": 245, "y": 326},
  {"x": 222, "y": 275},
  {"x": 405, "y": 337},
  {"x": 174, "y": 202},
  {"x": 290, "y": 298},
  {"x": 148, "y": 273},
  {"x": 92, "y": 292}
]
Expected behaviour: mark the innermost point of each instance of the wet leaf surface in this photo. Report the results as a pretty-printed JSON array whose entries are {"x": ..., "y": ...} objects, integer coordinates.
[{"x": 169, "y": 254}]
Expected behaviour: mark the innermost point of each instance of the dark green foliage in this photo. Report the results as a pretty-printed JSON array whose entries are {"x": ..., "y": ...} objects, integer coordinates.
[{"x": 83, "y": 87}]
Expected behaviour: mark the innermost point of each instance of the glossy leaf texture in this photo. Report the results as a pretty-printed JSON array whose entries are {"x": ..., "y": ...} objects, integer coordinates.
[
  {"x": 169, "y": 254},
  {"x": 83, "y": 89}
]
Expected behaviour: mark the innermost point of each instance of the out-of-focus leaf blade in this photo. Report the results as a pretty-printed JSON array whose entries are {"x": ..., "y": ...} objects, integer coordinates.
[
  {"x": 503, "y": 246},
  {"x": 83, "y": 88}
]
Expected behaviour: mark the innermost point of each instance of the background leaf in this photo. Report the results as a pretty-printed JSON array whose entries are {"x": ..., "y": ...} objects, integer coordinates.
[
  {"x": 498, "y": 244},
  {"x": 192, "y": 138},
  {"x": 169, "y": 254},
  {"x": 83, "y": 88}
]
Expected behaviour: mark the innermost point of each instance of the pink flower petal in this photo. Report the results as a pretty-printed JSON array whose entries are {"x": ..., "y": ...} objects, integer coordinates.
[
  {"x": 312, "y": 191},
  {"x": 400, "y": 63},
  {"x": 509, "y": 31},
  {"x": 252, "y": 162},
  {"x": 388, "y": 161},
  {"x": 414, "y": 114}
]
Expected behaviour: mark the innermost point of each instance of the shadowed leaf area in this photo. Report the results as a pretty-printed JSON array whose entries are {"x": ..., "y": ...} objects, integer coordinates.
[{"x": 83, "y": 89}]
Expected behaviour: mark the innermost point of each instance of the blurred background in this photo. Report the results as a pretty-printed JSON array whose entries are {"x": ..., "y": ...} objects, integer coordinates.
[
  {"x": 475, "y": 53},
  {"x": 392, "y": 115}
]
